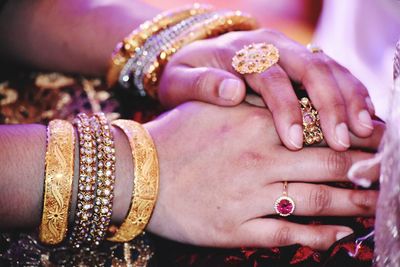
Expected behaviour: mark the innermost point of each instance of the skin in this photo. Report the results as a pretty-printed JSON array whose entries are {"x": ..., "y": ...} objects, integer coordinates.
[
  {"x": 201, "y": 71},
  {"x": 244, "y": 163},
  {"x": 340, "y": 99},
  {"x": 224, "y": 208}
]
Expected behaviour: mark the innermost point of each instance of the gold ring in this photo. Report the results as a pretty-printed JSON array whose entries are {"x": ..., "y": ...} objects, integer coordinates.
[
  {"x": 255, "y": 58},
  {"x": 284, "y": 205},
  {"x": 312, "y": 132},
  {"x": 314, "y": 48}
]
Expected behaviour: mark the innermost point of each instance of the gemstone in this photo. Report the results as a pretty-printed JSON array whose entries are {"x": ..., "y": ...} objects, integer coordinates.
[
  {"x": 104, "y": 210},
  {"x": 108, "y": 173},
  {"x": 106, "y": 192},
  {"x": 105, "y": 201},
  {"x": 284, "y": 206},
  {"x": 87, "y": 206},
  {"x": 307, "y": 118}
]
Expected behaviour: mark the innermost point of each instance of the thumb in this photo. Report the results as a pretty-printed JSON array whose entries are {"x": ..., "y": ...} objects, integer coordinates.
[{"x": 209, "y": 85}]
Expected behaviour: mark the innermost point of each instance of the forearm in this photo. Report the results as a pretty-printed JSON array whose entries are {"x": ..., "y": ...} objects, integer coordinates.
[
  {"x": 69, "y": 36},
  {"x": 22, "y": 157}
]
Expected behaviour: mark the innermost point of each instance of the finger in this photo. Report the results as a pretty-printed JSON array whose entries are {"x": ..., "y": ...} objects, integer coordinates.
[
  {"x": 317, "y": 164},
  {"x": 322, "y": 200},
  {"x": 356, "y": 99},
  {"x": 276, "y": 89},
  {"x": 370, "y": 143},
  {"x": 278, "y": 233},
  {"x": 210, "y": 85}
]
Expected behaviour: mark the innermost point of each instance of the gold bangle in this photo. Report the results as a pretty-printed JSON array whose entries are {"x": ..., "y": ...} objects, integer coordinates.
[
  {"x": 126, "y": 49},
  {"x": 58, "y": 181},
  {"x": 146, "y": 179},
  {"x": 215, "y": 26}
]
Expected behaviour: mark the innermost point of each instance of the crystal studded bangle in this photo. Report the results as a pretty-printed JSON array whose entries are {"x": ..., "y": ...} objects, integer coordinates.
[
  {"x": 132, "y": 43},
  {"x": 59, "y": 175},
  {"x": 150, "y": 49},
  {"x": 103, "y": 201},
  {"x": 146, "y": 180},
  {"x": 86, "y": 182},
  {"x": 218, "y": 24}
]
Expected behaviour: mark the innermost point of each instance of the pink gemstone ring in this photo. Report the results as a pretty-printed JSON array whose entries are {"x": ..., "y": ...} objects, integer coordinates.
[
  {"x": 284, "y": 205},
  {"x": 312, "y": 132}
]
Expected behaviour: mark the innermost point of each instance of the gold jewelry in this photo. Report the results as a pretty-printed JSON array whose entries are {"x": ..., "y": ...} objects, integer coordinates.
[
  {"x": 312, "y": 132},
  {"x": 86, "y": 182},
  {"x": 255, "y": 58},
  {"x": 146, "y": 179},
  {"x": 103, "y": 202},
  {"x": 215, "y": 26},
  {"x": 58, "y": 181},
  {"x": 314, "y": 48},
  {"x": 284, "y": 205},
  {"x": 127, "y": 48}
]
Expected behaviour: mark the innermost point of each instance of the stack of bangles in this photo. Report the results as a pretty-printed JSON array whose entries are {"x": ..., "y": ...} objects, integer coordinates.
[
  {"x": 137, "y": 62},
  {"x": 94, "y": 203}
]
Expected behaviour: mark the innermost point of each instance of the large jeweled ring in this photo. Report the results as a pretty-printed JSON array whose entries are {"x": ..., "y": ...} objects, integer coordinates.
[
  {"x": 314, "y": 48},
  {"x": 255, "y": 58},
  {"x": 312, "y": 132},
  {"x": 284, "y": 205}
]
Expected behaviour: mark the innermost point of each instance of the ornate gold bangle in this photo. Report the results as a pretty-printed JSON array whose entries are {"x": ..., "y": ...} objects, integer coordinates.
[
  {"x": 146, "y": 179},
  {"x": 58, "y": 181},
  {"x": 126, "y": 49},
  {"x": 217, "y": 25}
]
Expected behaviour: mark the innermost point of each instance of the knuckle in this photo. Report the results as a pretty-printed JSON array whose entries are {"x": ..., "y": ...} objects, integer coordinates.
[
  {"x": 364, "y": 199},
  {"x": 220, "y": 54},
  {"x": 282, "y": 236},
  {"x": 274, "y": 73},
  {"x": 200, "y": 83},
  {"x": 270, "y": 32},
  {"x": 334, "y": 107},
  {"x": 320, "y": 199},
  {"x": 338, "y": 163}
]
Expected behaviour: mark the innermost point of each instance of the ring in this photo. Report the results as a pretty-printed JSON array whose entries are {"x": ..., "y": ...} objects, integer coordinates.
[
  {"x": 312, "y": 132},
  {"x": 314, "y": 48},
  {"x": 284, "y": 205},
  {"x": 255, "y": 58}
]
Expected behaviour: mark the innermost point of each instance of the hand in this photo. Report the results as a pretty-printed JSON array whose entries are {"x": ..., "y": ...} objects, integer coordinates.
[
  {"x": 202, "y": 71},
  {"x": 222, "y": 169}
]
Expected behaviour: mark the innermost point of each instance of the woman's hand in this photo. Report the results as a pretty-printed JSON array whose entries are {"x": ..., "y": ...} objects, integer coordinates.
[
  {"x": 222, "y": 169},
  {"x": 202, "y": 71}
]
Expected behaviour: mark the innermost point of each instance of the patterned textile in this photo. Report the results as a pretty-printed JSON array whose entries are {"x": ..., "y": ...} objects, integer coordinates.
[{"x": 29, "y": 97}]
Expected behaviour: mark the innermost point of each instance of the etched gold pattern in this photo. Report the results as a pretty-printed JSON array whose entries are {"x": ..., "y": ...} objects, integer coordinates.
[
  {"x": 58, "y": 181},
  {"x": 146, "y": 179}
]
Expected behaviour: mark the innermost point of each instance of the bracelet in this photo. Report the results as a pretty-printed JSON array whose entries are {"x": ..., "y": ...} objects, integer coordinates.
[
  {"x": 59, "y": 175},
  {"x": 146, "y": 173},
  {"x": 130, "y": 45},
  {"x": 86, "y": 182},
  {"x": 148, "y": 52},
  {"x": 215, "y": 26},
  {"x": 103, "y": 202}
]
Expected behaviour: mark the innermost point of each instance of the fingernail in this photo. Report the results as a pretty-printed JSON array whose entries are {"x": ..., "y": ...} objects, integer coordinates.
[
  {"x": 343, "y": 234},
  {"x": 365, "y": 119},
  {"x": 342, "y": 134},
  {"x": 229, "y": 89},
  {"x": 370, "y": 105},
  {"x": 296, "y": 135}
]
